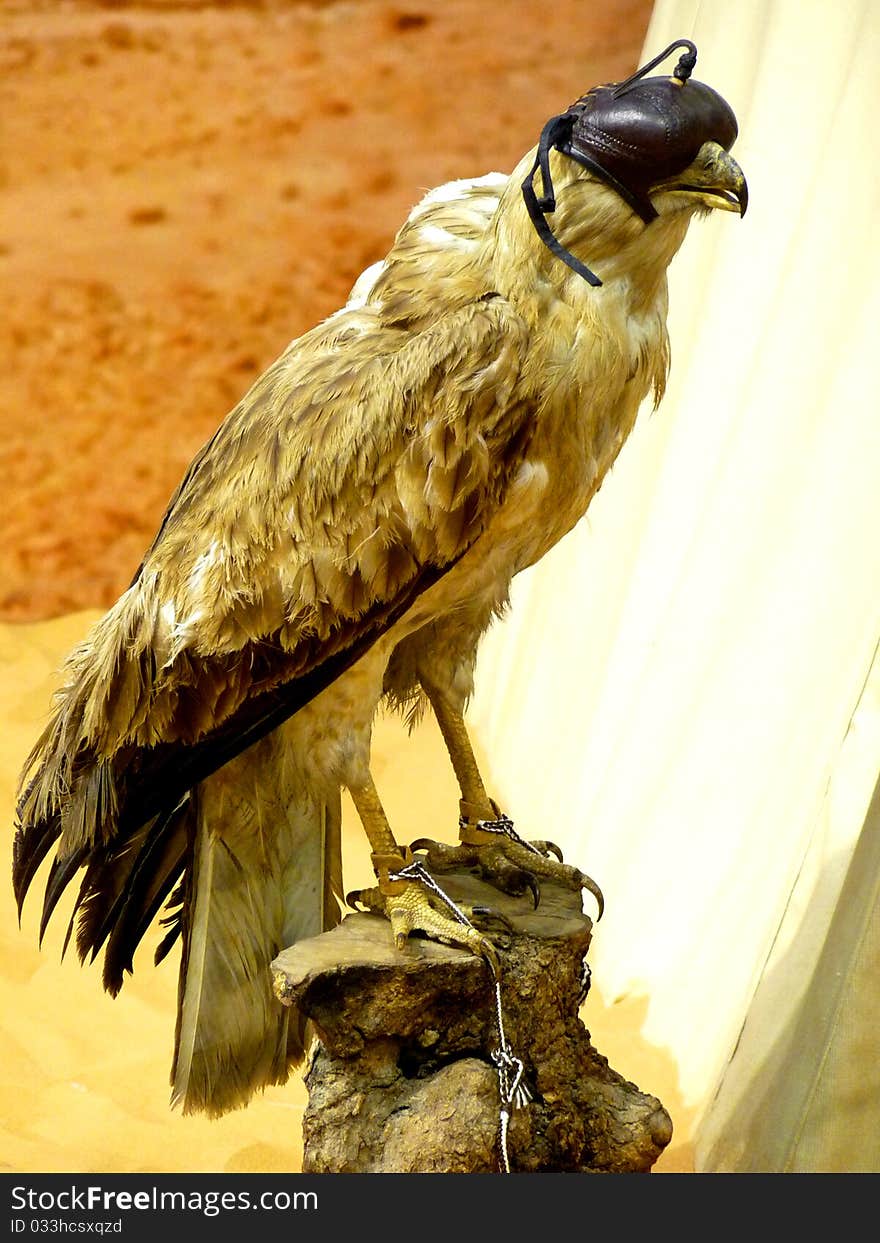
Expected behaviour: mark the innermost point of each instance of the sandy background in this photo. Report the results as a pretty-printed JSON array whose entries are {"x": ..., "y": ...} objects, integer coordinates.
[{"x": 185, "y": 187}]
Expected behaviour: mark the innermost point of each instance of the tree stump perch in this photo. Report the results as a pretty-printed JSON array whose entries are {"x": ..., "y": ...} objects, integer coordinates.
[{"x": 403, "y": 1080}]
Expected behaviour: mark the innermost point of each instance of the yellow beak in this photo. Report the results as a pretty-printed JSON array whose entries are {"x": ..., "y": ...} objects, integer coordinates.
[{"x": 713, "y": 179}]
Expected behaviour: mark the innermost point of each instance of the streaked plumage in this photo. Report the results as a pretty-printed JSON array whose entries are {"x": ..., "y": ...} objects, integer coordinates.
[{"x": 348, "y": 533}]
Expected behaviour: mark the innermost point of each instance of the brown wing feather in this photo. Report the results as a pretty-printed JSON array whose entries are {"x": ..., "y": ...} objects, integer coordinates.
[{"x": 389, "y": 449}]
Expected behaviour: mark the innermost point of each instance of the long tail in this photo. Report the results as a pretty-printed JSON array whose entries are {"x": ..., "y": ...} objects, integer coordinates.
[
  {"x": 246, "y": 864},
  {"x": 266, "y": 872}
]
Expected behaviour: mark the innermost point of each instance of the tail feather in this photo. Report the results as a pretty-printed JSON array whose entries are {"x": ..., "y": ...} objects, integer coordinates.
[
  {"x": 62, "y": 872},
  {"x": 332, "y": 864},
  {"x": 245, "y": 884},
  {"x": 30, "y": 847},
  {"x": 245, "y": 862},
  {"x": 156, "y": 873},
  {"x": 109, "y": 871},
  {"x": 266, "y": 866},
  {"x": 172, "y": 920},
  {"x": 122, "y": 890},
  {"x": 232, "y": 1035}
]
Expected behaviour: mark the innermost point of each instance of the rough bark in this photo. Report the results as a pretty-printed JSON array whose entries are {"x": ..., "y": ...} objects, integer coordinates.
[{"x": 403, "y": 1079}]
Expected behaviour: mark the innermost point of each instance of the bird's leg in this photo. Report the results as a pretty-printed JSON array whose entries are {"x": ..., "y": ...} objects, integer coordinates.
[
  {"x": 487, "y": 837},
  {"x": 409, "y": 903}
]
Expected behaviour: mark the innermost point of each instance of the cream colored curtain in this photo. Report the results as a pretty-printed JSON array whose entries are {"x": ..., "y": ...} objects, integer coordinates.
[{"x": 684, "y": 694}]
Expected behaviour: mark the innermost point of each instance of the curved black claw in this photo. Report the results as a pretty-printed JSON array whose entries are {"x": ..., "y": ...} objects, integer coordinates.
[
  {"x": 495, "y": 867},
  {"x": 358, "y": 900},
  {"x": 588, "y": 883},
  {"x": 549, "y": 848},
  {"x": 487, "y": 915},
  {"x": 441, "y": 857},
  {"x": 423, "y": 843},
  {"x": 511, "y": 878}
]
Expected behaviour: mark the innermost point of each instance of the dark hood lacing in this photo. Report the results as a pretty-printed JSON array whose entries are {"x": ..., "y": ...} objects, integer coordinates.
[{"x": 631, "y": 135}]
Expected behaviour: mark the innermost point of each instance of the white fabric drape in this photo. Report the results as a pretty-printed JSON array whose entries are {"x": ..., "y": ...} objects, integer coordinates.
[{"x": 672, "y": 695}]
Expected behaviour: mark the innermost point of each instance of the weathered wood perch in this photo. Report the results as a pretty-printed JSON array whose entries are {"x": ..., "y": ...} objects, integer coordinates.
[{"x": 403, "y": 1079}]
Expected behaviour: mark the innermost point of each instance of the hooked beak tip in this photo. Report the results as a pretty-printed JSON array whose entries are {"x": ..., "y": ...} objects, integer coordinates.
[{"x": 742, "y": 197}]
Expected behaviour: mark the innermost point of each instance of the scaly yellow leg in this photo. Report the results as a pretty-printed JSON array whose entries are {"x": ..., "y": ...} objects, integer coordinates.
[
  {"x": 503, "y": 857},
  {"x": 408, "y": 905}
]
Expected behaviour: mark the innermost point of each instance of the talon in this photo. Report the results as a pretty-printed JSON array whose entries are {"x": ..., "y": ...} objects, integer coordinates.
[
  {"x": 587, "y": 882},
  {"x": 439, "y": 856},
  {"x": 547, "y": 849},
  {"x": 491, "y": 916},
  {"x": 487, "y": 949},
  {"x": 510, "y": 863},
  {"x": 352, "y": 899},
  {"x": 417, "y": 909}
]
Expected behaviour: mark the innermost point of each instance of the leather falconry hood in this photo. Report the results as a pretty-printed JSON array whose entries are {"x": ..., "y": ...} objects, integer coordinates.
[{"x": 631, "y": 134}]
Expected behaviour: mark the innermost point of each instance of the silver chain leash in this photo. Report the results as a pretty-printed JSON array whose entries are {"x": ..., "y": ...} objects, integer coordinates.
[
  {"x": 417, "y": 871},
  {"x": 503, "y": 826},
  {"x": 512, "y": 1092}
]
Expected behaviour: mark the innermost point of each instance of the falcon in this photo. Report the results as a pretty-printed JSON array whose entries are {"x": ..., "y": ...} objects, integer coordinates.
[{"x": 345, "y": 538}]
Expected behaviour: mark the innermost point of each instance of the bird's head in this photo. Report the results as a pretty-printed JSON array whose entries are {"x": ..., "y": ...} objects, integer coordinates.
[{"x": 661, "y": 144}]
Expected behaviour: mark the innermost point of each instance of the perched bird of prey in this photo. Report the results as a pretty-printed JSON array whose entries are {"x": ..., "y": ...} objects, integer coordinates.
[{"x": 346, "y": 536}]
